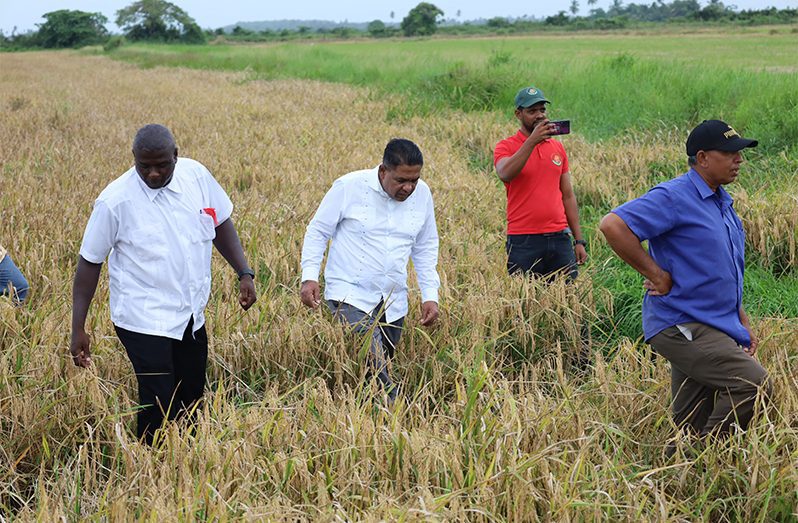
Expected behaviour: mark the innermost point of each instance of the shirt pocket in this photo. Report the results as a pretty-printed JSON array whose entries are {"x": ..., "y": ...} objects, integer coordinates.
[{"x": 206, "y": 229}]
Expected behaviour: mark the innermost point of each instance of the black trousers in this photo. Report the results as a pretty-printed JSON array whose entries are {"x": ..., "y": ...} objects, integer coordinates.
[
  {"x": 544, "y": 255},
  {"x": 170, "y": 375}
]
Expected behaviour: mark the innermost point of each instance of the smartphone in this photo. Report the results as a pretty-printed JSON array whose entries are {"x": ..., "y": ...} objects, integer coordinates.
[{"x": 562, "y": 127}]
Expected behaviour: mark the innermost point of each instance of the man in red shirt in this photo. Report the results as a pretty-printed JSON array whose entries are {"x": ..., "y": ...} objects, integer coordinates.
[{"x": 542, "y": 213}]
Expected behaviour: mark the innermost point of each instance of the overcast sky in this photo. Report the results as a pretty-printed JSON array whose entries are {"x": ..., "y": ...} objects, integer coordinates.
[{"x": 25, "y": 14}]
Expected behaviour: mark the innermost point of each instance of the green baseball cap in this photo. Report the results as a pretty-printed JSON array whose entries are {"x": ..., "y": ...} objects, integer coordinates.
[{"x": 529, "y": 96}]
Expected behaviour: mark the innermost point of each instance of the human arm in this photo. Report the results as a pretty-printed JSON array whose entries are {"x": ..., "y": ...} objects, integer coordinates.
[
  {"x": 627, "y": 246},
  {"x": 751, "y": 349},
  {"x": 98, "y": 240},
  {"x": 510, "y": 166},
  {"x": 572, "y": 215},
  {"x": 318, "y": 233},
  {"x": 83, "y": 288},
  {"x": 228, "y": 244},
  {"x": 425, "y": 260}
]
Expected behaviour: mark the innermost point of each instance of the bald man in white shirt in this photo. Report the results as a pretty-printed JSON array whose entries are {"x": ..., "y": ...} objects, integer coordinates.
[
  {"x": 377, "y": 220},
  {"x": 156, "y": 224}
]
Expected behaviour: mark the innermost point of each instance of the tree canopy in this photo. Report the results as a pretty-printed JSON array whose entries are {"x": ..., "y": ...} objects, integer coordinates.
[
  {"x": 158, "y": 20},
  {"x": 68, "y": 28},
  {"x": 422, "y": 20},
  {"x": 376, "y": 28}
]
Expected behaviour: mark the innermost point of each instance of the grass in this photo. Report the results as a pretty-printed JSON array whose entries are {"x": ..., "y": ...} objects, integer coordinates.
[
  {"x": 495, "y": 426},
  {"x": 607, "y": 83}
]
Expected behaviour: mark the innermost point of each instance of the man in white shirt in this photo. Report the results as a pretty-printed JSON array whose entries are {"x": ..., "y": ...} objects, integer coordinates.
[
  {"x": 157, "y": 221},
  {"x": 377, "y": 219}
]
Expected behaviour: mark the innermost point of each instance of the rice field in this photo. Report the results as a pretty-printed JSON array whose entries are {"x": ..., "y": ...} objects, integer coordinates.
[{"x": 495, "y": 424}]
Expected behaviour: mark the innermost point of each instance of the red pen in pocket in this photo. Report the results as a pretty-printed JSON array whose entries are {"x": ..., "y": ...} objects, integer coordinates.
[{"x": 210, "y": 211}]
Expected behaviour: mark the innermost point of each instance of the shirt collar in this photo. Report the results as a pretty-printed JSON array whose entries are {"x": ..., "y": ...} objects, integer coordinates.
[
  {"x": 174, "y": 185},
  {"x": 374, "y": 182},
  {"x": 704, "y": 190}
]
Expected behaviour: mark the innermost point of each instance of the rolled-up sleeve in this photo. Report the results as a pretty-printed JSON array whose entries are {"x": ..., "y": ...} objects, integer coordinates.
[
  {"x": 100, "y": 234},
  {"x": 650, "y": 215},
  {"x": 320, "y": 230},
  {"x": 425, "y": 256}
]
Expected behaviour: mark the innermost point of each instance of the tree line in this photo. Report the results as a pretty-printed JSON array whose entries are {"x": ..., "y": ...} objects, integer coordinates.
[{"x": 162, "y": 21}]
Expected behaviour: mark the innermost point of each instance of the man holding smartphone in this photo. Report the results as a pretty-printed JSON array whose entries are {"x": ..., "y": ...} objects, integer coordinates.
[{"x": 542, "y": 213}]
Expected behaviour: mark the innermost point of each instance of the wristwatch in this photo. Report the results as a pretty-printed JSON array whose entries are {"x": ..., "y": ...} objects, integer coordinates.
[
  {"x": 246, "y": 271},
  {"x": 580, "y": 242}
]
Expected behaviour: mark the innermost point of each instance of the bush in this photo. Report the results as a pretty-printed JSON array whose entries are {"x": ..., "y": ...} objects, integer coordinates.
[{"x": 114, "y": 42}]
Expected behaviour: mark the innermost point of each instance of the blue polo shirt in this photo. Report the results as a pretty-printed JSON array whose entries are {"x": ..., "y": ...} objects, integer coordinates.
[{"x": 694, "y": 234}]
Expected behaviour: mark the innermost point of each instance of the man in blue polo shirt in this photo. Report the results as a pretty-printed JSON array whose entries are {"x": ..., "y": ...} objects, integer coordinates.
[{"x": 692, "y": 311}]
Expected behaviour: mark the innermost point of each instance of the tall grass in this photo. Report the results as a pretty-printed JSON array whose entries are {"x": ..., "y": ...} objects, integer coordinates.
[
  {"x": 606, "y": 85},
  {"x": 494, "y": 425}
]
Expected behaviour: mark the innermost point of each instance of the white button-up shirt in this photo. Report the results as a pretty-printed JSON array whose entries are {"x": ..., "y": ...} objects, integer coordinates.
[
  {"x": 159, "y": 242},
  {"x": 373, "y": 236}
]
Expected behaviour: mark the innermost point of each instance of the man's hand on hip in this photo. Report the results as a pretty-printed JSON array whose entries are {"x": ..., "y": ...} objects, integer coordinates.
[
  {"x": 246, "y": 292},
  {"x": 660, "y": 285},
  {"x": 429, "y": 313},
  {"x": 310, "y": 293}
]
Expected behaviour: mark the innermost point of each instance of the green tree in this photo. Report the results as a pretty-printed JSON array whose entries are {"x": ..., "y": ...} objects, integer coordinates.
[
  {"x": 559, "y": 19},
  {"x": 68, "y": 28},
  {"x": 422, "y": 20},
  {"x": 158, "y": 20},
  {"x": 376, "y": 28},
  {"x": 498, "y": 22},
  {"x": 574, "y": 7}
]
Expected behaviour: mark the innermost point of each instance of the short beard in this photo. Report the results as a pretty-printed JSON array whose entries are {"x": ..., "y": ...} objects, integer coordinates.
[{"x": 529, "y": 129}]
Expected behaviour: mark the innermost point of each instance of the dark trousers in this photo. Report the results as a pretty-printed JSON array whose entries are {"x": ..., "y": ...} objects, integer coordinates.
[
  {"x": 713, "y": 382},
  {"x": 384, "y": 338},
  {"x": 545, "y": 255},
  {"x": 170, "y": 375}
]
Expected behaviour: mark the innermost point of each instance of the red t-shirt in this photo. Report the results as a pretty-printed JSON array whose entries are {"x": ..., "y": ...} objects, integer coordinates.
[{"x": 534, "y": 199}]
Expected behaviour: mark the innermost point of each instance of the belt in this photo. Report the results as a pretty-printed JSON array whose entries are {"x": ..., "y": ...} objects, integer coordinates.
[{"x": 546, "y": 234}]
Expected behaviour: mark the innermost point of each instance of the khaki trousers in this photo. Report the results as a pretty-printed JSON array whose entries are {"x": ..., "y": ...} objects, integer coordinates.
[{"x": 713, "y": 382}]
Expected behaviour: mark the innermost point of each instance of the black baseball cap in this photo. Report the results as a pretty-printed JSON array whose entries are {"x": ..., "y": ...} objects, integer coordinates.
[{"x": 715, "y": 135}]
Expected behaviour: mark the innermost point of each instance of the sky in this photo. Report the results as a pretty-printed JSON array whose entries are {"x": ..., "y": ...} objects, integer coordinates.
[{"x": 24, "y": 15}]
